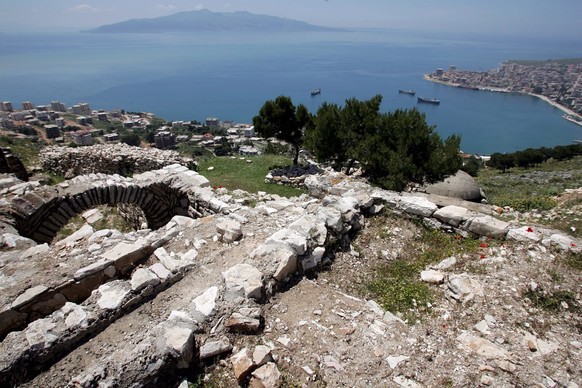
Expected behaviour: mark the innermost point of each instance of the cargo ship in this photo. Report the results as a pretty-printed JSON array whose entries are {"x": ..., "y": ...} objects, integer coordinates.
[
  {"x": 315, "y": 92},
  {"x": 411, "y": 92},
  {"x": 429, "y": 100}
]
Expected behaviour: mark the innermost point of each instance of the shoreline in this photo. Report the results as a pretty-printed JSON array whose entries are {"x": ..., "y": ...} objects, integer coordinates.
[{"x": 504, "y": 90}]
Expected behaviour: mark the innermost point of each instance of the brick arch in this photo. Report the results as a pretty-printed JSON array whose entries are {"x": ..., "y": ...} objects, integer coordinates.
[{"x": 41, "y": 214}]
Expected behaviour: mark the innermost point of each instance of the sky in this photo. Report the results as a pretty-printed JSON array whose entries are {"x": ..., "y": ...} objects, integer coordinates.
[{"x": 542, "y": 18}]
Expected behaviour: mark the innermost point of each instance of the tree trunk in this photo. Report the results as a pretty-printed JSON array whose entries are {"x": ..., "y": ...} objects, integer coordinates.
[
  {"x": 296, "y": 155},
  {"x": 349, "y": 166}
]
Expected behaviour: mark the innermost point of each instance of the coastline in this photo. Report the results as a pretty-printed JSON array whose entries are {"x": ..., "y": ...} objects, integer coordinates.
[{"x": 567, "y": 111}]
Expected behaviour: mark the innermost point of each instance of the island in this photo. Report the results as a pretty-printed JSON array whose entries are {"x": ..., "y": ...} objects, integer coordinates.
[{"x": 558, "y": 82}]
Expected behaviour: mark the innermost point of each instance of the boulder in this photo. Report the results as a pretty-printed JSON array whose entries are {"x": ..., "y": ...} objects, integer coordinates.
[
  {"x": 243, "y": 280},
  {"x": 452, "y": 215},
  {"x": 483, "y": 225},
  {"x": 461, "y": 185},
  {"x": 417, "y": 205}
]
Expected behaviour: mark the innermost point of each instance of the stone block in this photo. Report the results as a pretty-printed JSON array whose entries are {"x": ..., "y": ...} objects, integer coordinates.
[
  {"x": 290, "y": 237},
  {"x": 112, "y": 294},
  {"x": 29, "y": 296},
  {"x": 487, "y": 226},
  {"x": 452, "y": 215},
  {"x": 243, "y": 280},
  {"x": 93, "y": 268},
  {"x": 143, "y": 278},
  {"x": 125, "y": 255}
]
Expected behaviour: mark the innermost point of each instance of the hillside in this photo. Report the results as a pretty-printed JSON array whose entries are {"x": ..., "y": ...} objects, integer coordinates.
[{"x": 207, "y": 21}]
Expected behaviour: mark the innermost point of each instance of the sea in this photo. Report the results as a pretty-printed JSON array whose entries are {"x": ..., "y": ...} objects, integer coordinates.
[{"x": 192, "y": 76}]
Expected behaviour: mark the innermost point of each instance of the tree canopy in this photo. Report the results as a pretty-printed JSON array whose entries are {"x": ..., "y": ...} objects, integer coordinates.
[
  {"x": 393, "y": 149},
  {"x": 279, "y": 118}
]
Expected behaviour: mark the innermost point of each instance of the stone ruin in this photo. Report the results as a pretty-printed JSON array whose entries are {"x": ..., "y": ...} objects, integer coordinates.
[
  {"x": 10, "y": 164},
  {"x": 206, "y": 264},
  {"x": 121, "y": 159}
]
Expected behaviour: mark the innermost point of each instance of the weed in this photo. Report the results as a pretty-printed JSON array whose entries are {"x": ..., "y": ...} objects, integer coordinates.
[
  {"x": 574, "y": 260},
  {"x": 552, "y": 301}
]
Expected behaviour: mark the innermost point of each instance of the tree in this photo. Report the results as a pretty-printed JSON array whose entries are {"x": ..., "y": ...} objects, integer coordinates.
[
  {"x": 502, "y": 162},
  {"x": 130, "y": 138},
  {"x": 279, "y": 118},
  {"x": 393, "y": 149},
  {"x": 472, "y": 166}
]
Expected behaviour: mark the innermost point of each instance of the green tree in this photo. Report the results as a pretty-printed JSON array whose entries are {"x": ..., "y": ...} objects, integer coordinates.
[
  {"x": 502, "y": 162},
  {"x": 472, "y": 166},
  {"x": 279, "y": 118},
  {"x": 130, "y": 138}
]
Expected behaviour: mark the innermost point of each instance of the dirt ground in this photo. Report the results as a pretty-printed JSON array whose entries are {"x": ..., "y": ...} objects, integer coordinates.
[{"x": 324, "y": 334}]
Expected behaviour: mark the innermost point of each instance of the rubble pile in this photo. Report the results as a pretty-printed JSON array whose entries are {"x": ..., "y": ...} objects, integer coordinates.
[
  {"x": 160, "y": 304},
  {"x": 111, "y": 159}
]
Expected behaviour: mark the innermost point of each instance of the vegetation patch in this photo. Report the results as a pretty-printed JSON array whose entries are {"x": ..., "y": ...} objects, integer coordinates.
[
  {"x": 553, "y": 301},
  {"x": 396, "y": 284},
  {"x": 235, "y": 173}
]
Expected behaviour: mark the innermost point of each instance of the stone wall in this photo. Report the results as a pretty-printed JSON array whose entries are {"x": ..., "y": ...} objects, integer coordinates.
[
  {"x": 120, "y": 159},
  {"x": 10, "y": 164},
  {"x": 297, "y": 236}
]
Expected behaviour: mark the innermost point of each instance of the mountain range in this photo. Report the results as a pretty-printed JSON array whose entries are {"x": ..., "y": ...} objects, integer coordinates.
[{"x": 204, "y": 20}]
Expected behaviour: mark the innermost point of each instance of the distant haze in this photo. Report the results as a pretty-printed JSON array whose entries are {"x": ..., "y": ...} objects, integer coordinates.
[{"x": 533, "y": 18}]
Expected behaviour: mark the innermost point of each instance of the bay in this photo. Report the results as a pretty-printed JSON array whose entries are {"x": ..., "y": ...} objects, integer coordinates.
[{"x": 229, "y": 76}]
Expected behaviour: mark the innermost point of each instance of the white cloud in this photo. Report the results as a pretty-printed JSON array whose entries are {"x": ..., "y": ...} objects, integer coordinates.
[
  {"x": 198, "y": 7},
  {"x": 166, "y": 6},
  {"x": 84, "y": 8}
]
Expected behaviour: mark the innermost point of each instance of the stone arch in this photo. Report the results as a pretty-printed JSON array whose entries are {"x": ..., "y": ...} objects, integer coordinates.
[{"x": 41, "y": 214}]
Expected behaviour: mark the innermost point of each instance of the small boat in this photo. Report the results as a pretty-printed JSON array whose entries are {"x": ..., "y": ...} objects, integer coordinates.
[
  {"x": 429, "y": 100},
  {"x": 411, "y": 92},
  {"x": 315, "y": 92}
]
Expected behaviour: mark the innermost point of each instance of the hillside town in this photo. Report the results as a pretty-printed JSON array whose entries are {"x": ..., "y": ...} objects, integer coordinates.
[
  {"x": 559, "y": 82},
  {"x": 79, "y": 125}
]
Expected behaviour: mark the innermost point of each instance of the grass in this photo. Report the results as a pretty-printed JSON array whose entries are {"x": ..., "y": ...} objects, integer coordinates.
[
  {"x": 236, "y": 173},
  {"x": 396, "y": 285},
  {"x": 538, "y": 188},
  {"x": 25, "y": 149},
  {"x": 111, "y": 220},
  {"x": 552, "y": 301}
]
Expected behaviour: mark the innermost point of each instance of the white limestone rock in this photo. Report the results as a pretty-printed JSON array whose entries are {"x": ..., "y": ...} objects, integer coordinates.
[
  {"x": 36, "y": 250},
  {"x": 229, "y": 230},
  {"x": 91, "y": 269},
  {"x": 290, "y": 237},
  {"x": 417, "y": 205},
  {"x": 487, "y": 226},
  {"x": 524, "y": 234},
  {"x": 205, "y": 303},
  {"x": 281, "y": 255},
  {"x": 452, "y": 215},
  {"x": 243, "y": 280},
  {"x": 432, "y": 276},
  {"x": 267, "y": 376},
  {"x": 143, "y": 278},
  {"x": 85, "y": 232},
  {"x": 215, "y": 348},
  {"x": 482, "y": 346},
  {"x": 464, "y": 287},
  {"x": 112, "y": 294},
  {"x": 28, "y": 296}
]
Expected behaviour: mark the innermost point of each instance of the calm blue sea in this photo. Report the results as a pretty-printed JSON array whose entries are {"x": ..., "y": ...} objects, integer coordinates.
[{"x": 229, "y": 76}]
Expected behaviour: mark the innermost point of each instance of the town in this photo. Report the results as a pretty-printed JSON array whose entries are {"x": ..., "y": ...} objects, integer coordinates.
[
  {"x": 79, "y": 125},
  {"x": 558, "y": 82}
]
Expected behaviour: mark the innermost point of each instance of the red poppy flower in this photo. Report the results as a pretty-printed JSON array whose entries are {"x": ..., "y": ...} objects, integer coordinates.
[
  {"x": 573, "y": 245},
  {"x": 482, "y": 256},
  {"x": 529, "y": 229},
  {"x": 483, "y": 245}
]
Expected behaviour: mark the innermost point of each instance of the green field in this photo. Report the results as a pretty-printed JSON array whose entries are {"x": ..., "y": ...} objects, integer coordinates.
[{"x": 235, "y": 173}]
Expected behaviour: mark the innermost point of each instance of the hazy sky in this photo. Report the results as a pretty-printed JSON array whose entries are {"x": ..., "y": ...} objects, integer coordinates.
[{"x": 515, "y": 17}]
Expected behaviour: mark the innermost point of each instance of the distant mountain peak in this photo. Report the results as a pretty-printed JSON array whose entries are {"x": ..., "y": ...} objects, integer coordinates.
[{"x": 205, "y": 20}]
